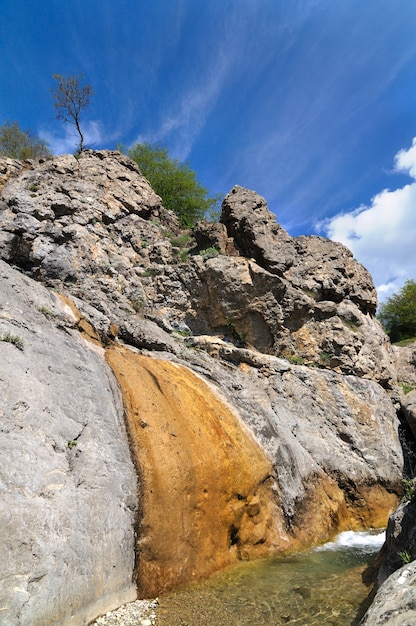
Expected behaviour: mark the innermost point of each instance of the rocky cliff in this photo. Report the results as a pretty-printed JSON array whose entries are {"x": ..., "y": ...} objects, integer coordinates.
[{"x": 175, "y": 400}]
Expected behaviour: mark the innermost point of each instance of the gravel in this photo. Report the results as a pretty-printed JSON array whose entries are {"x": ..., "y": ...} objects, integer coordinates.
[{"x": 138, "y": 613}]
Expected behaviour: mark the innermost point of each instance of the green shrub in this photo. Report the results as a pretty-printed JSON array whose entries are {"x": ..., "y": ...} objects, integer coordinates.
[
  {"x": 405, "y": 342},
  {"x": 295, "y": 359},
  {"x": 407, "y": 388},
  {"x": 137, "y": 305},
  {"x": 14, "y": 339},
  {"x": 181, "y": 241},
  {"x": 152, "y": 271},
  {"x": 405, "y": 557},
  {"x": 209, "y": 253},
  {"x": 351, "y": 325},
  {"x": 16, "y": 143},
  {"x": 398, "y": 313},
  {"x": 184, "y": 255},
  {"x": 239, "y": 339},
  {"x": 47, "y": 312},
  {"x": 409, "y": 490},
  {"x": 174, "y": 182}
]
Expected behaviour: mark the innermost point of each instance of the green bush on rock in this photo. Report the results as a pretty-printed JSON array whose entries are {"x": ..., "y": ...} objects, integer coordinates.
[{"x": 174, "y": 182}]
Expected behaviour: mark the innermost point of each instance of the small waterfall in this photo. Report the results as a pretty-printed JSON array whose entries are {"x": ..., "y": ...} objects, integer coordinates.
[{"x": 367, "y": 542}]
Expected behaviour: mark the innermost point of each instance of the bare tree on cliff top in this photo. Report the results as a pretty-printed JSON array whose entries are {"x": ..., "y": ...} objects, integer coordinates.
[{"x": 70, "y": 98}]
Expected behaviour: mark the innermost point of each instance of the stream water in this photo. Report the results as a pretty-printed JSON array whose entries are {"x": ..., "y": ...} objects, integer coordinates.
[{"x": 319, "y": 587}]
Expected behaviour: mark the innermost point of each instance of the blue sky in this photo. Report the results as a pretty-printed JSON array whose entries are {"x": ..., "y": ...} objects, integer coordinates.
[{"x": 312, "y": 103}]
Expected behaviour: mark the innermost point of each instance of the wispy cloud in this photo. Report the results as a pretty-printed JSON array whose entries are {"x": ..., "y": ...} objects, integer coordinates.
[
  {"x": 219, "y": 57},
  {"x": 324, "y": 120},
  {"x": 181, "y": 121},
  {"x": 382, "y": 235},
  {"x": 67, "y": 140}
]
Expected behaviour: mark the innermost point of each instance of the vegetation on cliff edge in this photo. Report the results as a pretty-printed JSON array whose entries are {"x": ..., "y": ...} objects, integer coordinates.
[
  {"x": 175, "y": 182},
  {"x": 398, "y": 313},
  {"x": 16, "y": 143}
]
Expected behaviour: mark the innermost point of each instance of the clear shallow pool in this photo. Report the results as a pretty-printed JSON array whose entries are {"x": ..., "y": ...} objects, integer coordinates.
[{"x": 315, "y": 588}]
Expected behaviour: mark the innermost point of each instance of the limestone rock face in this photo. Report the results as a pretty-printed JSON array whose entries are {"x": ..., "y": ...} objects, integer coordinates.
[
  {"x": 405, "y": 362},
  {"x": 253, "y": 378},
  {"x": 211, "y": 494},
  {"x": 68, "y": 488},
  {"x": 400, "y": 539},
  {"x": 408, "y": 402},
  {"x": 323, "y": 302},
  {"x": 395, "y": 601},
  {"x": 12, "y": 167},
  {"x": 330, "y": 464},
  {"x": 94, "y": 225},
  {"x": 319, "y": 266},
  {"x": 325, "y": 433},
  {"x": 89, "y": 224}
]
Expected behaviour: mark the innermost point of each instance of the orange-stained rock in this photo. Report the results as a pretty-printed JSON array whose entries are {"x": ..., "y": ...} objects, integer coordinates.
[
  {"x": 209, "y": 493},
  {"x": 209, "y": 496}
]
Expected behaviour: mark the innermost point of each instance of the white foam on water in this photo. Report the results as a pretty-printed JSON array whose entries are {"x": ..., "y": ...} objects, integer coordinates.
[{"x": 361, "y": 540}]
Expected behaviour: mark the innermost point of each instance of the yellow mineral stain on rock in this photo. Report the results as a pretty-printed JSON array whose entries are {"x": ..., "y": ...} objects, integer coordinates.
[
  {"x": 326, "y": 510},
  {"x": 84, "y": 326},
  {"x": 208, "y": 493}
]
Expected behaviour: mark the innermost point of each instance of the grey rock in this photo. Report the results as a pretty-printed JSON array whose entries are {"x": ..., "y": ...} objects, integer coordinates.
[
  {"x": 95, "y": 226},
  {"x": 208, "y": 235},
  {"x": 68, "y": 487},
  {"x": 395, "y": 601},
  {"x": 255, "y": 230},
  {"x": 312, "y": 423},
  {"x": 10, "y": 168},
  {"x": 408, "y": 403},
  {"x": 400, "y": 539},
  {"x": 405, "y": 362},
  {"x": 328, "y": 270}
]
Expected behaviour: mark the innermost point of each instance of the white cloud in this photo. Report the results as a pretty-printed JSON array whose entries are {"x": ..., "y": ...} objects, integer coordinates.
[
  {"x": 382, "y": 235},
  {"x": 67, "y": 142},
  {"x": 406, "y": 160}
]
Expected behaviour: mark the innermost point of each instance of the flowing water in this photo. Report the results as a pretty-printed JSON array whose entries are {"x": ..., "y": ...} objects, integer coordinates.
[{"x": 316, "y": 588}]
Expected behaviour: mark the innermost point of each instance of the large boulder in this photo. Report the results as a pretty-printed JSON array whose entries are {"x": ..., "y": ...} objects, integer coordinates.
[{"x": 256, "y": 232}]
